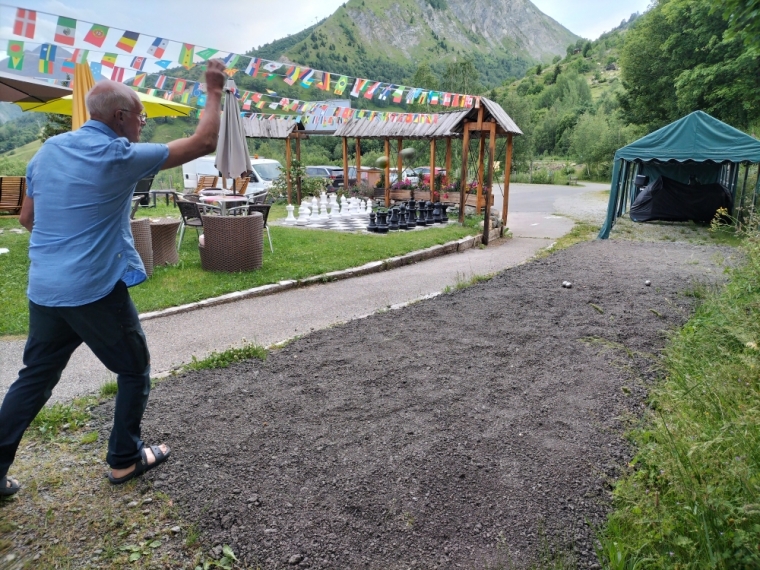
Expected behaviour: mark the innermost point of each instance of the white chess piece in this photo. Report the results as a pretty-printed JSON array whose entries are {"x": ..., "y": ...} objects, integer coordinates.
[
  {"x": 290, "y": 220},
  {"x": 369, "y": 207},
  {"x": 334, "y": 207},
  {"x": 344, "y": 207},
  {"x": 303, "y": 214},
  {"x": 314, "y": 210},
  {"x": 323, "y": 210}
]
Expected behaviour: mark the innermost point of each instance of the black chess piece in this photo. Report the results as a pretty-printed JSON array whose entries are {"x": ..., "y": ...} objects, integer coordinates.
[
  {"x": 421, "y": 214},
  {"x": 411, "y": 215},
  {"x": 393, "y": 222},
  {"x": 382, "y": 223},
  {"x": 444, "y": 217},
  {"x": 437, "y": 213},
  {"x": 429, "y": 213},
  {"x": 402, "y": 223},
  {"x": 372, "y": 227}
]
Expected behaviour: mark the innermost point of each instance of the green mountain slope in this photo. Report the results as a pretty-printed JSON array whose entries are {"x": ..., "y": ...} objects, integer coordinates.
[{"x": 387, "y": 40}]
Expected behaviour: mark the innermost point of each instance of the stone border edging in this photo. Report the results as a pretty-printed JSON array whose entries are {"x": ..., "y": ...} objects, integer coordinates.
[{"x": 462, "y": 244}]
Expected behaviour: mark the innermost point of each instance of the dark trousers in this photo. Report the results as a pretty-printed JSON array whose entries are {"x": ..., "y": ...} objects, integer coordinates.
[{"x": 111, "y": 329}]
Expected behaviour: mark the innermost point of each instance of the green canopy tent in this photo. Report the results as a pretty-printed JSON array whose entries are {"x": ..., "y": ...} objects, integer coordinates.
[{"x": 697, "y": 145}]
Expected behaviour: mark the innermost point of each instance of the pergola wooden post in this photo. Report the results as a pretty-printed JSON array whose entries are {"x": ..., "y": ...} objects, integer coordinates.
[
  {"x": 432, "y": 169},
  {"x": 345, "y": 164},
  {"x": 507, "y": 172},
  {"x": 289, "y": 161},
  {"x": 358, "y": 162},
  {"x": 463, "y": 184},
  {"x": 399, "y": 165},
  {"x": 387, "y": 173},
  {"x": 298, "y": 179},
  {"x": 481, "y": 154},
  {"x": 489, "y": 181},
  {"x": 448, "y": 158}
]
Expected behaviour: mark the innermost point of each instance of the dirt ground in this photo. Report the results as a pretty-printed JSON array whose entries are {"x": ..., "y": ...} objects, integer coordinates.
[{"x": 478, "y": 429}]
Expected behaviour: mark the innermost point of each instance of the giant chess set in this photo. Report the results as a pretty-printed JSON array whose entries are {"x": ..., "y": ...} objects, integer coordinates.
[{"x": 354, "y": 214}]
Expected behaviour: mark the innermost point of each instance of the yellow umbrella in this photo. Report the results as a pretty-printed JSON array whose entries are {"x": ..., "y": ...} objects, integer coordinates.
[
  {"x": 83, "y": 82},
  {"x": 154, "y": 106}
]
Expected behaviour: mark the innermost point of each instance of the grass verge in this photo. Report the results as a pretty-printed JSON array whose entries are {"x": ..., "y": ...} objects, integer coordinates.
[
  {"x": 298, "y": 254},
  {"x": 582, "y": 231},
  {"x": 693, "y": 497}
]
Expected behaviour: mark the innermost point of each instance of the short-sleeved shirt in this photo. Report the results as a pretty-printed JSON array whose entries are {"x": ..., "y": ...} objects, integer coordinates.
[{"x": 82, "y": 184}]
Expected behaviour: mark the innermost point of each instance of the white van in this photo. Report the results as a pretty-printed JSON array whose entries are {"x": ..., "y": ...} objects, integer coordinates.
[{"x": 264, "y": 171}]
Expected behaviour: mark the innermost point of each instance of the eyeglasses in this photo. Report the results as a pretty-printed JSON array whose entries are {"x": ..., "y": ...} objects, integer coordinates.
[{"x": 142, "y": 115}]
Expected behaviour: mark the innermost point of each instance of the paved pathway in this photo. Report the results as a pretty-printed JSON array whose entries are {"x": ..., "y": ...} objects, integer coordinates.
[{"x": 174, "y": 340}]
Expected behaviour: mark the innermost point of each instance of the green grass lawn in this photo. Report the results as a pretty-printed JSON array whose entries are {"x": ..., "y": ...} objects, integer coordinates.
[
  {"x": 298, "y": 253},
  {"x": 25, "y": 152}
]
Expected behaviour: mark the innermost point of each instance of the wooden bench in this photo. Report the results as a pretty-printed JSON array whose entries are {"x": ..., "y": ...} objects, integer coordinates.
[
  {"x": 572, "y": 180},
  {"x": 12, "y": 193}
]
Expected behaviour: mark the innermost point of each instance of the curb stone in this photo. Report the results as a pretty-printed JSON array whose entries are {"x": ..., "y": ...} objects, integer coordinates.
[{"x": 366, "y": 269}]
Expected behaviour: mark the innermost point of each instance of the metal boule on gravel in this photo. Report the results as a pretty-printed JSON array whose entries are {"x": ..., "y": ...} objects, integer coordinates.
[
  {"x": 647, "y": 282},
  {"x": 569, "y": 285}
]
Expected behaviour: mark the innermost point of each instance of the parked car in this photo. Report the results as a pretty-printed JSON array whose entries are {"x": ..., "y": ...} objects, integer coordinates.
[
  {"x": 328, "y": 172},
  {"x": 338, "y": 182},
  {"x": 424, "y": 173},
  {"x": 408, "y": 175}
]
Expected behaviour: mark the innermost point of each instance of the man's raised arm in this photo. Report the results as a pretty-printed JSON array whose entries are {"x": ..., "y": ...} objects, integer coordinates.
[{"x": 204, "y": 140}]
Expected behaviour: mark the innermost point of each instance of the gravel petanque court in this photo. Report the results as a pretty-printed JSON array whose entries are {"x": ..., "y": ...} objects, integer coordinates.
[{"x": 472, "y": 430}]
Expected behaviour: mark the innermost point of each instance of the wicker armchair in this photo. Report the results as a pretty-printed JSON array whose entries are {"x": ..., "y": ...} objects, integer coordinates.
[
  {"x": 263, "y": 209},
  {"x": 232, "y": 243},
  {"x": 143, "y": 242}
]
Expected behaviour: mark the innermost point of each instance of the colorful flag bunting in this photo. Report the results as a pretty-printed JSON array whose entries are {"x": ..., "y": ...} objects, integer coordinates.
[
  {"x": 158, "y": 47},
  {"x": 341, "y": 85},
  {"x": 455, "y": 100},
  {"x": 179, "y": 86},
  {"x": 272, "y": 66},
  {"x": 398, "y": 94},
  {"x": 198, "y": 89},
  {"x": 446, "y": 99},
  {"x": 26, "y": 21},
  {"x": 324, "y": 83},
  {"x": 253, "y": 67},
  {"x": 386, "y": 91},
  {"x": 109, "y": 59},
  {"x": 46, "y": 67},
  {"x": 230, "y": 71},
  {"x": 256, "y": 97},
  {"x": 292, "y": 75},
  {"x": 65, "y": 31},
  {"x": 371, "y": 91},
  {"x": 165, "y": 63},
  {"x": 168, "y": 95},
  {"x": 128, "y": 41},
  {"x": 117, "y": 74},
  {"x": 185, "y": 97},
  {"x": 68, "y": 66},
  {"x": 231, "y": 60},
  {"x": 80, "y": 55},
  {"x": 422, "y": 97},
  {"x": 433, "y": 98},
  {"x": 206, "y": 54},
  {"x": 307, "y": 77},
  {"x": 97, "y": 35},
  {"x": 201, "y": 102},
  {"x": 15, "y": 55},
  {"x": 468, "y": 101},
  {"x": 186, "y": 55},
  {"x": 151, "y": 92},
  {"x": 139, "y": 80},
  {"x": 47, "y": 52},
  {"x": 412, "y": 94},
  {"x": 358, "y": 85},
  {"x": 97, "y": 70},
  {"x": 160, "y": 81},
  {"x": 138, "y": 63},
  {"x": 260, "y": 104}
]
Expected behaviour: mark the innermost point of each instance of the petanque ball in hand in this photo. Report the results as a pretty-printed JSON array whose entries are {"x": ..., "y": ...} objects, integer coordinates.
[
  {"x": 381, "y": 162},
  {"x": 408, "y": 153}
]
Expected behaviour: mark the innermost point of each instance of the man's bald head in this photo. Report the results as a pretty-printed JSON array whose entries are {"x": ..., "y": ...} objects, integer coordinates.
[{"x": 107, "y": 97}]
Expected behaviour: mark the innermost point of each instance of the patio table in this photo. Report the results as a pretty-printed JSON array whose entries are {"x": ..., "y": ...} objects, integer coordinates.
[
  {"x": 163, "y": 233},
  {"x": 223, "y": 201}
]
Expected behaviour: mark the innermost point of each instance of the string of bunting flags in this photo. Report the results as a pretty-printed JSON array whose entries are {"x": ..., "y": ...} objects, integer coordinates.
[{"x": 26, "y": 25}]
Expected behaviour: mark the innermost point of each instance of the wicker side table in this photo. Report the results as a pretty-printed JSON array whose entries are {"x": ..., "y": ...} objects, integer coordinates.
[
  {"x": 232, "y": 243},
  {"x": 164, "y": 236},
  {"x": 143, "y": 242}
]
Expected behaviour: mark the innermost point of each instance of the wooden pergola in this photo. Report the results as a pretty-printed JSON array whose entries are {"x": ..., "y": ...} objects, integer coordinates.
[
  {"x": 485, "y": 120},
  {"x": 256, "y": 127}
]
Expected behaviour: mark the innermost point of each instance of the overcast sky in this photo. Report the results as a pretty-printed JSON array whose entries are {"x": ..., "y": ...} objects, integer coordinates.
[{"x": 239, "y": 25}]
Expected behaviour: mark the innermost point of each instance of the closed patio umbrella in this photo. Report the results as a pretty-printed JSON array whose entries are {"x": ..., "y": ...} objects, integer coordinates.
[
  {"x": 15, "y": 88},
  {"x": 154, "y": 106},
  {"x": 83, "y": 82},
  {"x": 232, "y": 158}
]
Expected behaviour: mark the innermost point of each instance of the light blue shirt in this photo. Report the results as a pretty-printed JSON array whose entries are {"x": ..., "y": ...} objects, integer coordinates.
[{"x": 82, "y": 184}]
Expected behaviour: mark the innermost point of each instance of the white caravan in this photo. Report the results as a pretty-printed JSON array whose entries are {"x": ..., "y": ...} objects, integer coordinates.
[{"x": 265, "y": 170}]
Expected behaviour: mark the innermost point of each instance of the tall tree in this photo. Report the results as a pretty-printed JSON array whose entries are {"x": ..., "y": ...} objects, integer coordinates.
[
  {"x": 743, "y": 18},
  {"x": 684, "y": 44}
]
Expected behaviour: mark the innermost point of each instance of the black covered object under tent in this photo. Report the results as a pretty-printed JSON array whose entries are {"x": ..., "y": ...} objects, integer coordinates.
[
  {"x": 668, "y": 200},
  {"x": 697, "y": 146}
]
